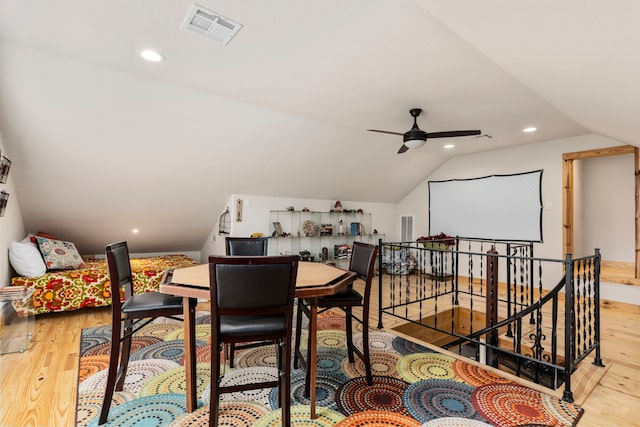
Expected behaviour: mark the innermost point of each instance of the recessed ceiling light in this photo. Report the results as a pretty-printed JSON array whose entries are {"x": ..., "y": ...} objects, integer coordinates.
[
  {"x": 448, "y": 146},
  {"x": 151, "y": 55},
  {"x": 530, "y": 129},
  {"x": 135, "y": 231}
]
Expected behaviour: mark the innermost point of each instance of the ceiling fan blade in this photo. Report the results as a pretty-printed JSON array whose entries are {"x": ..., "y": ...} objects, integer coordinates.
[
  {"x": 403, "y": 149},
  {"x": 385, "y": 131},
  {"x": 453, "y": 133}
]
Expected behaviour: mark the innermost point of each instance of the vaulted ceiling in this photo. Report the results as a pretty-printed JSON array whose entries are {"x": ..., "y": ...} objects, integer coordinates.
[{"x": 102, "y": 141}]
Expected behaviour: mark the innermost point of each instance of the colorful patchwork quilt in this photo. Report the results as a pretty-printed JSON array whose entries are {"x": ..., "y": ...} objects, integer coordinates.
[{"x": 66, "y": 290}]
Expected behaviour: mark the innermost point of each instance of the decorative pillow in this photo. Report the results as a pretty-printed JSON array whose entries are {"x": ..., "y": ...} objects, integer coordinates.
[
  {"x": 59, "y": 255},
  {"x": 26, "y": 259}
]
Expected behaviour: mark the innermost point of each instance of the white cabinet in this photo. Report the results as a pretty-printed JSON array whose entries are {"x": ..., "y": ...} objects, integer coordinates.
[{"x": 319, "y": 236}]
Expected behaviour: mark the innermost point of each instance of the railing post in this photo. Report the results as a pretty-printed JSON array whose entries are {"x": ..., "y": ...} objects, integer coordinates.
[
  {"x": 508, "y": 262},
  {"x": 380, "y": 284},
  {"x": 454, "y": 269},
  {"x": 596, "y": 314},
  {"x": 569, "y": 331},
  {"x": 492, "y": 305}
]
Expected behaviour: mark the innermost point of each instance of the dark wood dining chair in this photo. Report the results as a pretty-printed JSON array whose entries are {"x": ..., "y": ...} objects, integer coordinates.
[
  {"x": 252, "y": 300},
  {"x": 245, "y": 246},
  {"x": 362, "y": 262},
  {"x": 129, "y": 313}
]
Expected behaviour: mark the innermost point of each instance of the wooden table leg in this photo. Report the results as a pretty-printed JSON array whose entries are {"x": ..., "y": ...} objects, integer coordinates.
[
  {"x": 189, "y": 311},
  {"x": 313, "y": 338}
]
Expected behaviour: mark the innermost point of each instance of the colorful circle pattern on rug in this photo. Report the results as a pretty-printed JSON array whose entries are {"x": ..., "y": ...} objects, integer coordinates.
[
  {"x": 93, "y": 340},
  {"x": 382, "y": 364},
  {"x": 378, "y": 419},
  {"x": 384, "y": 395},
  {"x": 158, "y": 410},
  {"x": 174, "y": 381},
  {"x": 203, "y": 354},
  {"x": 404, "y": 346},
  {"x": 243, "y": 376},
  {"x": 158, "y": 330},
  {"x": 138, "y": 373},
  {"x": 378, "y": 341},
  {"x": 257, "y": 356},
  {"x": 170, "y": 350},
  {"x": 327, "y": 383},
  {"x": 566, "y": 412},
  {"x": 301, "y": 416},
  {"x": 331, "y": 339},
  {"x": 90, "y": 365},
  {"x": 331, "y": 322},
  {"x": 511, "y": 404},
  {"x": 90, "y": 404},
  {"x": 429, "y": 399},
  {"x": 202, "y": 333},
  {"x": 330, "y": 359},
  {"x": 105, "y": 348},
  {"x": 476, "y": 375},
  {"x": 420, "y": 366},
  {"x": 455, "y": 422},
  {"x": 230, "y": 414}
]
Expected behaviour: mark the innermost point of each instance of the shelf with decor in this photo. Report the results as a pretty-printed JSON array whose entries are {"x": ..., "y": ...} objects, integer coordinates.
[{"x": 320, "y": 236}]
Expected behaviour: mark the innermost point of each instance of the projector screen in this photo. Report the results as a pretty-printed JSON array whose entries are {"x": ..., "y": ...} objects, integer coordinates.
[{"x": 497, "y": 207}]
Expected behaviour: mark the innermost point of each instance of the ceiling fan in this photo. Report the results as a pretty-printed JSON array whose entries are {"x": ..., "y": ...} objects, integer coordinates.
[{"x": 416, "y": 137}]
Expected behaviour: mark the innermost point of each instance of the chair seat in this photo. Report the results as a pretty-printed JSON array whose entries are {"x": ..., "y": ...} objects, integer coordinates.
[
  {"x": 251, "y": 325},
  {"x": 151, "y": 301},
  {"x": 346, "y": 297}
]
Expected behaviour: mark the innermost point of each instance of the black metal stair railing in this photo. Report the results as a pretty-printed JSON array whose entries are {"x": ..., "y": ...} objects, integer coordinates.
[{"x": 490, "y": 299}]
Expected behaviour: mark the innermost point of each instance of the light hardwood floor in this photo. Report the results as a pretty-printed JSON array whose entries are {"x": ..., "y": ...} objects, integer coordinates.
[{"x": 38, "y": 387}]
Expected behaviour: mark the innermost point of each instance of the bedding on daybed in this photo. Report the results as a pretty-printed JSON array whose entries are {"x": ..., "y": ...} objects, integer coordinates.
[{"x": 88, "y": 285}]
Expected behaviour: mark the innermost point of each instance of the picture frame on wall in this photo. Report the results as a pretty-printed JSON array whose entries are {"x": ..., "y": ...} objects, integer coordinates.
[
  {"x": 4, "y": 198},
  {"x": 5, "y": 166}
]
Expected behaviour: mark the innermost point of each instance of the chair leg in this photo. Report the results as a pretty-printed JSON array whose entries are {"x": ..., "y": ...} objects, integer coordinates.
[
  {"x": 125, "y": 353},
  {"x": 296, "y": 359},
  {"x": 232, "y": 351},
  {"x": 114, "y": 357},
  {"x": 285, "y": 382},
  {"x": 349, "y": 329},
  {"x": 365, "y": 346},
  {"x": 214, "y": 397}
]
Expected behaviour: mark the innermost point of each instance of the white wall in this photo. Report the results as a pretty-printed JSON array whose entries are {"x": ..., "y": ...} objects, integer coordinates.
[
  {"x": 11, "y": 225},
  {"x": 256, "y": 217},
  {"x": 609, "y": 207},
  {"x": 547, "y": 156}
]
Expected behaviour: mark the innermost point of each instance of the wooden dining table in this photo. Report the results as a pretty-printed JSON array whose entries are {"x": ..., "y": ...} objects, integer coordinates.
[{"x": 314, "y": 280}]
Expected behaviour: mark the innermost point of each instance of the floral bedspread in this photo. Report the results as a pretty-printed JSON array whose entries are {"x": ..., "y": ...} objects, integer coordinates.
[{"x": 66, "y": 290}]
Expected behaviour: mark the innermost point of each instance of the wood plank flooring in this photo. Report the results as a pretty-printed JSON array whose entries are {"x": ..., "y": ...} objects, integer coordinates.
[{"x": 38, "y": 387}]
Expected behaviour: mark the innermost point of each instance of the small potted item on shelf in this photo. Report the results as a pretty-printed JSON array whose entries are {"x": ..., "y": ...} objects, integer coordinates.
[{"x": 440, "y": 241}]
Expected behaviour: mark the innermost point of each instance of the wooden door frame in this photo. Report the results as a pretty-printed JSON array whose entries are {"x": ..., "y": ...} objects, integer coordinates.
[{"x": 568, "y": 193}]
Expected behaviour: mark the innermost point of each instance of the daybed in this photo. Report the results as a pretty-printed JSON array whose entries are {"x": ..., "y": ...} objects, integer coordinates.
[{"x": 88, "y": 285}]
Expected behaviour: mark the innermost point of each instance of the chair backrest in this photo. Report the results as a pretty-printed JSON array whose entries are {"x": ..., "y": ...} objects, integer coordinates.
[
  {"x": 246, "y": 246},
  {"x": 119, "y": 273},
  {"x": 363, "y": 261},
  {"x": 251, "y": 286}
]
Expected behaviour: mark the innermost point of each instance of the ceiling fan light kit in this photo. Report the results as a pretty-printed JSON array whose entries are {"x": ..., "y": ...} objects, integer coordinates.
[{"x": 416, "y": 137}]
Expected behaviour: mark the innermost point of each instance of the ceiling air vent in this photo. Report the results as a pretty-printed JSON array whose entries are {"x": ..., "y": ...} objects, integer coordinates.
[{"x": 210, "y": 24}]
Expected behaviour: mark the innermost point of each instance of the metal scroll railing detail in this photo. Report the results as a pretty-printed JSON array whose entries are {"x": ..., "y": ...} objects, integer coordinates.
[{"x": 497, "y": 305}]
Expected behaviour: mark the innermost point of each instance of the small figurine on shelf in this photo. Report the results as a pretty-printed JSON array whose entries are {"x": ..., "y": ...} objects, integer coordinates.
[
  {"x": 337, "y": 207},
  {"x": 340, "y": 228}
]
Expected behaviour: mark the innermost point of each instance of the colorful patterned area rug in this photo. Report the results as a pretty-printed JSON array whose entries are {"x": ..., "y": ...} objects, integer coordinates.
[{"x": 413, "y": 385}]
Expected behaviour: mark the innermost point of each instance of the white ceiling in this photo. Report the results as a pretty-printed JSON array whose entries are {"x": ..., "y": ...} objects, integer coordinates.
[{"x": 102, "y": 142}]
